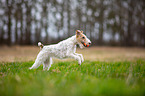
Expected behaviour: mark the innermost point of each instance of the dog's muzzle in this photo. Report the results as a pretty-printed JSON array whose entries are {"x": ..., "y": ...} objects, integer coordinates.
[{"x": 86, "y": 44}]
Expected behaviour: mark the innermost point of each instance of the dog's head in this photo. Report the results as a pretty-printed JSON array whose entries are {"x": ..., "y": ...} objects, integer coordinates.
[{"x": 82, "y": 40}]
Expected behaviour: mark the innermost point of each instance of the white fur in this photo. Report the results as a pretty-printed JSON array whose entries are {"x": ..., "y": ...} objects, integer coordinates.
[{"x": 64, "y": 49}]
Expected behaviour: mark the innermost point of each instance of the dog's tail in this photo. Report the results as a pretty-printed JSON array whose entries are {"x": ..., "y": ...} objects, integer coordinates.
[{"x": 40, "y": 45}]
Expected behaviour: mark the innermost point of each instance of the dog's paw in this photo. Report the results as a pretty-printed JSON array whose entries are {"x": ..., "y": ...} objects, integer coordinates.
[
  {"x": 30, "y": 68},
  {"x": 79, "y": 62},
  {"x": 82, "y": 60}
]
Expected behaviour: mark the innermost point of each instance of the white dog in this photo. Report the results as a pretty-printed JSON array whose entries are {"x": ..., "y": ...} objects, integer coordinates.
[{"x": 64, "y": 49}]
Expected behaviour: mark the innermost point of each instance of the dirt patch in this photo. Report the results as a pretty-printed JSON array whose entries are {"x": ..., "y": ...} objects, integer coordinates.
[
  {"x": 113, "y": 53},
  {"x": 29, "y": 53}
]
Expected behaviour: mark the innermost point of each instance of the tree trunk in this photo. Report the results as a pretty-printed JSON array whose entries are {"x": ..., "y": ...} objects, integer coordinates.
[
  {"x": 21, "y": 42},
  {"x": 9, "y": 6},
  {"x": 129, "y": 39},
  {"x": 101, "y": 17},
  {"x": 68, "y": 17},
  {"x": 16, "y": 30},
  {"x": 28, "y": 25}
]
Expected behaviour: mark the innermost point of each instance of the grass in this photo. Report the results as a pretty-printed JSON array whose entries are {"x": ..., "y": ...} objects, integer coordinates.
[{"x": 69, "y": 79}]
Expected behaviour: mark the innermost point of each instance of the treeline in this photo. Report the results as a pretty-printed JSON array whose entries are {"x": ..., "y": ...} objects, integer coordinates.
[{"x": 105, "y": 22}]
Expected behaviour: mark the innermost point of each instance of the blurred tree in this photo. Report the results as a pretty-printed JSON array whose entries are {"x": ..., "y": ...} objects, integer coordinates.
[
  {"x": 129, "y": 37},
  {"x": 114, "y": 22},
  {"x": 44, "y": 20},
  {"x": 22, "y": 23},
  {"x": 28, "y": 5},
  {"x": 9, "y": 23},
  {"x": 101, "y": 20}
]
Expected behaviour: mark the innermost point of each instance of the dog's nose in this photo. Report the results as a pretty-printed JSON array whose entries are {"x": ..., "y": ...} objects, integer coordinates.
[{"x": 89, "y": 43}]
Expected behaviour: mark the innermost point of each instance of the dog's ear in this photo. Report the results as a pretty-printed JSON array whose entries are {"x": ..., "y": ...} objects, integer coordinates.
[
  {"x": 78, "y": 32},
  {"x": 81, "y": 31}
]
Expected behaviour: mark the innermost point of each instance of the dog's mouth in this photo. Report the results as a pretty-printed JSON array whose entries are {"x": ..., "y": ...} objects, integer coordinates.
[{"x": 85, "y": 45}]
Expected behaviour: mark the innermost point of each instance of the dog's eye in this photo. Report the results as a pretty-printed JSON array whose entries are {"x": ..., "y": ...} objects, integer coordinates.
[{"x": 83, "y": 37}]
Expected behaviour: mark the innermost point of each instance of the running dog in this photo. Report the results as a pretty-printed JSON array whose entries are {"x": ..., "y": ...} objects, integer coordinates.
[{"x": 62, "y": 50}]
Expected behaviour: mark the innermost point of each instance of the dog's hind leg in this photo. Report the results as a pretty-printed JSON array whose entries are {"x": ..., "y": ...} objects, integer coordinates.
[
  {"x": 36, "y": 64},
  {"x": 50, "y": 63},
  {"x": 39, "y": 60},
  {"x": 47, "y": 64}
]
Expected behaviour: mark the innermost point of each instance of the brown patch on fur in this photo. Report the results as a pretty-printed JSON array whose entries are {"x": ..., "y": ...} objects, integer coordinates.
[
  {"x": 80, "y": 36},
  {"x": 41, "y": 46}
]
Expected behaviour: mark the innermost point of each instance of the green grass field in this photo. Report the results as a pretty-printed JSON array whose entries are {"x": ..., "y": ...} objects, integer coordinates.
[{"x": 69, "y": 79}]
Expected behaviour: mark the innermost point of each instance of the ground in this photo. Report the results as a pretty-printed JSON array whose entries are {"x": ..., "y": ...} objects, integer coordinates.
[
  {"x": 29, "y": 53},
  {"x": 106, "y": 71}
]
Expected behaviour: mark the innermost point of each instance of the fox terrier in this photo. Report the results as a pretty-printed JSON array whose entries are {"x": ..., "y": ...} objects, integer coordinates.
[{"x": 62, "y": 50}]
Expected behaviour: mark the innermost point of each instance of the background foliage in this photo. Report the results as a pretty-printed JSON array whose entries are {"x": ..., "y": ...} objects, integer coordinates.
[{"x": 105, "y": 22}]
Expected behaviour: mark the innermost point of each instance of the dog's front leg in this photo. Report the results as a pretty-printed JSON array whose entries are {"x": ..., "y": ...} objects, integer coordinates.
[
  {"x": 82, "y": 59},
  {"x": 76, "y": 57}
]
